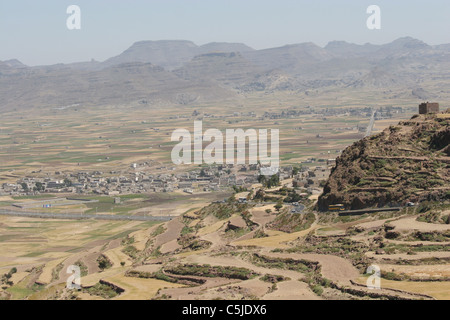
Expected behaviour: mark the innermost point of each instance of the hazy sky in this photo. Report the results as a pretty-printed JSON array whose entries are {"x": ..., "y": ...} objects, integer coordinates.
[{"x": 35, "y": 32}]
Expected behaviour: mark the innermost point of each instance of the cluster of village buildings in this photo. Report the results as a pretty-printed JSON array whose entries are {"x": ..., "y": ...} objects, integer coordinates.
[
  {"x": 135, "y": 180},
  {"x": 386, "y": 112},
  {"x": 381, "y": 112}
]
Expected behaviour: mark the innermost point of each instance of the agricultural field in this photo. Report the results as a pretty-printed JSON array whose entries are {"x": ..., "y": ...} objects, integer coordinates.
[
  {"x": 108, "y": 138},
  {"x": 206, "y": 254},
  {"x": 212, "y": 248},
  {"x": 155, "y": 204}
]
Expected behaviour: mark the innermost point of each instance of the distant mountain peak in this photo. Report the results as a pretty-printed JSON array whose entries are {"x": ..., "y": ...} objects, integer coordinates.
[
  {"x": 13, "y": 63},
  {"x": 171, "y": 54},
  {"x": 409, "y": 42},
  {"x": 407, "y": 39}
]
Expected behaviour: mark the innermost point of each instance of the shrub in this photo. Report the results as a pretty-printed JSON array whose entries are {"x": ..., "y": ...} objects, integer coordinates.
[
  {"x": 273, "y": 278},
  {"x": 317, "y": 290},
  {"x": 102, "y": 290},
  {"x": 131, "y": 251},
  {"x": 104, "y": 262}
]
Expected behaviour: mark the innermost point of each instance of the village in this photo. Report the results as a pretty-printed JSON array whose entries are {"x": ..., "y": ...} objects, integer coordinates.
[
  {"x": 293, "y": 112},
  {"x": 138, "y": 179}
]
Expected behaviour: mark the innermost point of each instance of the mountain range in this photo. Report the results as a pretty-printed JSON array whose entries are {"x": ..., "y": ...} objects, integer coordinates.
[{"x": 167, "y": 72}]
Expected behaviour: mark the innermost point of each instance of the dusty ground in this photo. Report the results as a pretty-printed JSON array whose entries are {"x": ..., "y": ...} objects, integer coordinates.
[
  {"x": 410, "y": 223},
  {"x": 132, "y": 247}
]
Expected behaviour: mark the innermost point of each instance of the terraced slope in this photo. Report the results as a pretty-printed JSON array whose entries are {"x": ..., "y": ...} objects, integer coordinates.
[{"x": 407, "y": 162}]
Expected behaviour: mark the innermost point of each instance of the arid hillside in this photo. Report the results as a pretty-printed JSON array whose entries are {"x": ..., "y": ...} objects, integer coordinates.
[{"x": 405, "y": 163}]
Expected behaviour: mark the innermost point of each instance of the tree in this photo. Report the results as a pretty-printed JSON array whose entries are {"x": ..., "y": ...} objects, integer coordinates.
[
  {"x": 259, "y": 195},
  {"x": 278, "y": 206},
  {"x": 273, "y": 181},
  {"x": 39, "y": 187},
  {"x": 7, "y": 276},
  {"x": 262, "y": 179},
  {"x": 293, "y": 197},
  {"x": 239, "y": 189},
  {"x": 24, "y": 186},
  {"x": 67, "y": 182}
]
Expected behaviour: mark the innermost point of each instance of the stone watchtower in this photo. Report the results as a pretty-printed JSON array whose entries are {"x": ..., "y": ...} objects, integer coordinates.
[{"x": 428, "y": 107}]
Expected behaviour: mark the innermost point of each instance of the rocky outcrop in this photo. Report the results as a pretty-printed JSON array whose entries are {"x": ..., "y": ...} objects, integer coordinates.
[{"x": 407, "y": 162}]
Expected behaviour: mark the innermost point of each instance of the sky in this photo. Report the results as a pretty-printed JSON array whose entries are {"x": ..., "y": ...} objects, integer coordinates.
[{"x": 35, "y": 32}]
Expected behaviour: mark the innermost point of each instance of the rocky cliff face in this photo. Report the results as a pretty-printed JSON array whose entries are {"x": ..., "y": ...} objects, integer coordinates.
[{"x": 407, "y": 162}]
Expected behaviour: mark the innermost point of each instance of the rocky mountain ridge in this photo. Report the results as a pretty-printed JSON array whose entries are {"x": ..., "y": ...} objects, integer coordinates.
[
  {"x": 406, "y": 68},
  {"x": 409, "y": 162}
]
